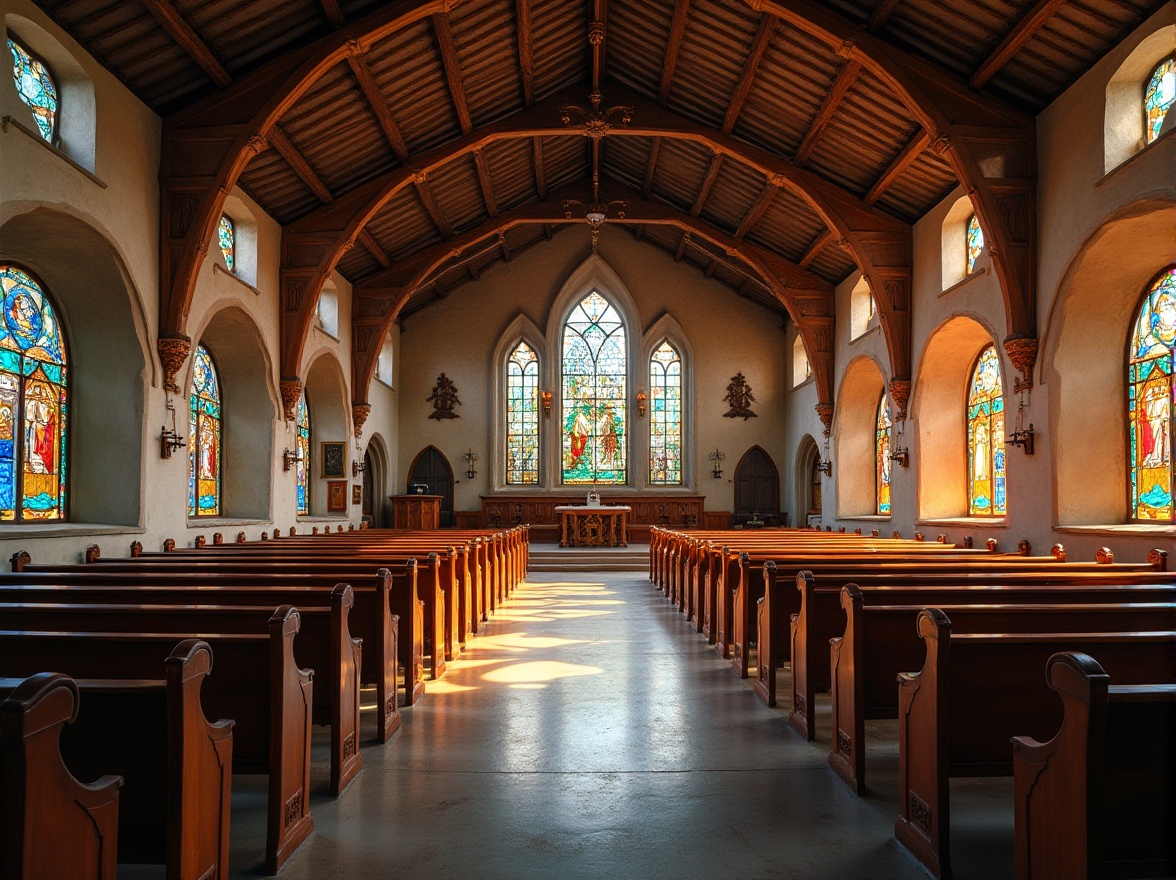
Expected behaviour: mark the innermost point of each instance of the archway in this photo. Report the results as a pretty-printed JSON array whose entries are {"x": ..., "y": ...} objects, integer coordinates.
[
  {"x": 330, "y": 420},
  {"x": 853, "y": 437},
  {"x": 808, "y": 482},
  {"x": 757, "y": 487},
  {"x": 431, "y": 468},
  {"x": 375, "y": 483}
]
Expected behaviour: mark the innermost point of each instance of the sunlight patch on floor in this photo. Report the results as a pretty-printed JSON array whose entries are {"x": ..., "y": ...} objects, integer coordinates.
[{"x": 538, "y": 671}]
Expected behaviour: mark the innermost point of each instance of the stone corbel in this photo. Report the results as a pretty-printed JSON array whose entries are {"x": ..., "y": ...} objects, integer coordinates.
[
  {"x": 1022, "y": 351},
  {"x": 291, "y": 388},
  {"x": 900, "y": 392},
  {"x": 173, "y": 351},
  {"x": 825, "y": 412},
  {"x": 359, "y": 415}
]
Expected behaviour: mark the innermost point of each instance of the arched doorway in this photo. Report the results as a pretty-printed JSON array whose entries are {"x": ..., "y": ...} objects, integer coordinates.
[
  {"x": 808, "y": 482},
  {"x": 757, "y": 488},
  {"x": 375, "y": 484},
  {"x": 431, "y": 468}
]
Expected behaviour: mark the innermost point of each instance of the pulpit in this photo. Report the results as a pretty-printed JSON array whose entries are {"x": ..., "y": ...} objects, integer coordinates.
[{"x": 416, "y": 511}]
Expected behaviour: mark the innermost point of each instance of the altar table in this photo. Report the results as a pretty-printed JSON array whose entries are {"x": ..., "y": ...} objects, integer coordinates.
[{"x": 605, "y": 525}]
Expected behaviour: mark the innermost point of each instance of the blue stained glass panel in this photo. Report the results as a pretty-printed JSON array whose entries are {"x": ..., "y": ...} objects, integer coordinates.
[
  {"x": 226, "y": 236},
  {"x": 36, "y": 87},
  {"x": 302, "y": 448},
  {"x": 975, "y": 242},
  {"x": 1158, "y": 96},
  {"x": 594, "y": 394},
  {"x": 986, "y": 456},
  {"x": 1150, "y": 391}
]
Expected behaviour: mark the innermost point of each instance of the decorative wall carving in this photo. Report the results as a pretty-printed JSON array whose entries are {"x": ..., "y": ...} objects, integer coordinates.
[
  {"x": 444, "y": 399},
  {"x": 740, "y": 398}
]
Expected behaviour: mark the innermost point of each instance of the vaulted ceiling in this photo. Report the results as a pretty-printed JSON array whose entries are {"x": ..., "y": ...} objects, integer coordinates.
[{"x": 447, "y": 131}]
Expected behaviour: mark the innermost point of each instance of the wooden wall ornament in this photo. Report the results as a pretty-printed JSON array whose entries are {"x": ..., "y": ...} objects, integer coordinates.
[
  {"x": 740, "y": 398},
  {"x": 444, "y": 399},
  {"x": 1022, "y": 351},
  {"x": 825, "y": 413}
]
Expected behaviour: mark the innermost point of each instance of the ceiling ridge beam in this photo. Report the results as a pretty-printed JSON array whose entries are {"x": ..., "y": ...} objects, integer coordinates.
[
  {"x": 280, "y": 141},
  {"x": 1020, "y": 34},
  {"x": 600, "y": 55},
  {"x": 376, "y": 100},
  {"x": 763, "y": 38},
  {"x": 452, "y": 65},
  {"x": 177, "y": 27},
  {"x": 526, "y": 50},
  {"x": 677, "y": 32},
  {"x": 905, "y": 158},
  {"x": 844, "y": 81}
]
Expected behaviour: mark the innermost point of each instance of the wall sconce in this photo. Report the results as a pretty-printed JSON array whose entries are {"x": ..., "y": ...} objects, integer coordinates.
[
  {"x": 642, "y": 399},
  {"x": 545, "y": 402},
  {"x": 170, "y": 440},
  {"x": 470, "y": 457},
  {"x": 717, "y": 457},
  {"x": 358, "y": 467},
  {"x": 290, "y": 458},
  {"x": 1022, "y": 437}
]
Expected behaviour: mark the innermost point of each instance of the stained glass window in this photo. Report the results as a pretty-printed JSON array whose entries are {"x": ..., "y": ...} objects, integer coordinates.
[
  {"x": 204, "y": 437},
  {"x": 594, "y": 395},
  {"x": 975, "y": 242},
  {"x": 1149, "y": 400},
  {"x": 227, "y": 238},
  {"x": 36, "y": 87},
  {"x": 33, "y": 406},
  {"x": 522, "y": 417},
  {"x": 302, "y": 448},
  {"x": 882, "y": 457},
  {"x": 986, "y": 448},
  {"x": 665, "y": 417},
  {"x": 1158, "y": 95}
]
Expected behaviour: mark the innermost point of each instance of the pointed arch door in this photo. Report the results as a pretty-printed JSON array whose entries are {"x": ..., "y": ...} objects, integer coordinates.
[
  {"x": 431, "y": 467},
  {"x": 757, "y": 487}
]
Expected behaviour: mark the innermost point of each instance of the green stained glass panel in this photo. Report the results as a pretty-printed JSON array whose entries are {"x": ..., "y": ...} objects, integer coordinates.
[
  {"x": 204, "y": 437},
  {"x": 226, "y": 235},
  {"x": 986, "y": 448},
  {"x": 1150, "y": 391}
]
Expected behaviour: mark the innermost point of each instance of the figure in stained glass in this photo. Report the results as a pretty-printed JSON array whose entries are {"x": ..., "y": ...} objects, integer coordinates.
[
  {"x": 226, "y": 235},
  {"x": 986, "y": 455},
  {"x": 882, "y": 456},
  {"x": 1149, "y": 401},
  {"x": 302, "y": 449},
  {"x": 204, "y": 437},
  {"x": 975, "y": 242},
  {"x": 594, "y": 393},
  {"x": 665, "y": 421},
  {"x": 33, "y": 404},
  {"x": 1158, "y": 96},
  {"x": 36, "y": 87},
  {"x": 522, "y": 416}
]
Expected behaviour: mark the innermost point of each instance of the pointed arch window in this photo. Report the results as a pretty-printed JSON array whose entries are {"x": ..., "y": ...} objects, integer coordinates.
[
  {"x": 1159, "y": 94},
  {"x": 302, "y": 448},
  {"x": 33, "y": 404},
  {"x": 226, "y": 237},
  {"x": 882, "y": 457},
  {"x": 36, "y": 87},
  {"x": 986, "y": 453},
  {"x": 665, "y": 416},
  {"x": 594, "y": 393},
  {"x": 204, "y": 437},
  {"x": 974, "y": 243},
  {"x": 522, "y": 416},
  {"x": 1149, "y": 401}
]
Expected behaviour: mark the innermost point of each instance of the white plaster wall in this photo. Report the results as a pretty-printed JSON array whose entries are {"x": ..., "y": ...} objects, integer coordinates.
[{"x": 457, "y": 336}]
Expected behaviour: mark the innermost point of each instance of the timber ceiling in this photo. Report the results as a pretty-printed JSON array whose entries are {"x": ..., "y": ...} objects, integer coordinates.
[{"x": 720, "y": 65}]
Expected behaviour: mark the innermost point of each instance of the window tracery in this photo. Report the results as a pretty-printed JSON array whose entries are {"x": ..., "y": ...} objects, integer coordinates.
[
  {"x": 36, "y": 87},
  {"x": 1149, "y": 401},
  {"x": 986, "y": 452},
  {"x": 204, "y": 437}
]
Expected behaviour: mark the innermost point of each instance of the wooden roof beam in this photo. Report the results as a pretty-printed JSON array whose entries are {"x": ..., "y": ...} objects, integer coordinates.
[
  {"x": 881, "y": 15},
  {"x": 708, "y": 182},
  {"x": 281, "y": 142},
  {"x": 763, "y": 38},
  {"x": 677, "y": 31},
  {"x": 504, "y": 245},
  {"x": 540, "y": 169},
  {"x": 821, "y": 242},
  {"x": 647, "y": 186},
  {"x": 682, "y": 245},
  {"x": 1022, "y": 32},
  {"x": 844, "y": 81},
  {"x": 766, "y": 197},
  {"x": 452, "y": 65},
  {"x": 333, "y": 13},
  {"x": 373, "y": 248},
  {"x": 425, "y": 193},
  {"x": 176, "y": 26},
  {"x": 485, "y": 182},
  {"x": 600, "y": 47},
  {"x": 526, "y": 50},
  {"x": 376, "y": 101},
  {"x": 901, "y": 163}
]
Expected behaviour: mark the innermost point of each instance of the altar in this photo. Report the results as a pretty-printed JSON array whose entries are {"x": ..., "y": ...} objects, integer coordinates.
[{"x": 593, "y": 525}]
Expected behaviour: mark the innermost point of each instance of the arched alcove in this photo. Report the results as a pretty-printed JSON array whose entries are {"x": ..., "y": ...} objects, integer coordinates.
[
  {"x": 241, "y": 213},
  {"x": 801, "y": 368},
  {"x": 375, "y": 482},
  {"x": 327, "y": 400},
  {"x": 939, "y": 410},
  {"x": 250, "y": 407},
  {"x": 953, "y": 245},
  {"x": 110, "y": 363},
  {"x": 1084, "y": 359},
  {"x": 862, "y": 314},
  {"x": 808, "y": 482},
  {"x": 1123, "y": 122},
  {"x": 854, "y": 426}
]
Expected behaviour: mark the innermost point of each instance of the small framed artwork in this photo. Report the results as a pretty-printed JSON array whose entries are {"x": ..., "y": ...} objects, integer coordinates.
[
  {"x": 356, "y": 493},
  {"x": 337, "y": 496},
  {"x": 333, "y": 455}
]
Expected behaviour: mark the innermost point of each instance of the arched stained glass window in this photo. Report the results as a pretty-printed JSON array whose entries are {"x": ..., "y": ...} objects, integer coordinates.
[
  {"x": 226, "y": 235},
  {"x": 594, "y": 393},
  {"x": 665, "y": 417},
  {"x": 1149, "y": 400},
  {"x": 204, "y": 437},
  {"x": 1158, "y": 96},
  {"x": 986, "y": 449},
  {"x": 522, "y": 417},
  {"x": 33, "y": 405},
  {"x": 36, "y": 87},
  {"x": 882, "y": 456},
  {"x": 975, "y": 242},
  {"x": 302, "y": 448}
]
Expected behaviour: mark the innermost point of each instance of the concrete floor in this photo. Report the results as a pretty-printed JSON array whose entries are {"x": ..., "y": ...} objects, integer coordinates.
[{"x": 589, "y": 732}]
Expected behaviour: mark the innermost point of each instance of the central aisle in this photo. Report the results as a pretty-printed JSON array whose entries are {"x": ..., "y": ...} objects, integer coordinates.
[{"x": 590, "y": 733}]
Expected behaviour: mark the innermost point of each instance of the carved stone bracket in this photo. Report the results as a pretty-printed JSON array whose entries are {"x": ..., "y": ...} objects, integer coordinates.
[
  {"x": 173, "y": 351},
  {"x": 825, "y": 412},
  {"x": 359, "y": 415},
  {"x": 1022, "y": 351},
  {"x": 291, "y": 388},
  {"x": 900, "y": 393}
]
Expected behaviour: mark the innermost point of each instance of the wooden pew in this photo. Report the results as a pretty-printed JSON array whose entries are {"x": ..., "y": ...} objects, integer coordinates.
[
  {"x": 259, "y": 685},
  {"x": 174, "y": 805},
  {"x": 975, "y": 692},
  {"x": 1099, "y": 799}
]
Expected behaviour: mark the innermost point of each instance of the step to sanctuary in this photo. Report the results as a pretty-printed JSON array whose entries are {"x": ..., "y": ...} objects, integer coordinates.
[{"x": 549, "y": 558}]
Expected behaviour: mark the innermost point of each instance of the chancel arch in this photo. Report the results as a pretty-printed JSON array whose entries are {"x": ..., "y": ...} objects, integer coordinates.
[{"x": 854, "y": 437}]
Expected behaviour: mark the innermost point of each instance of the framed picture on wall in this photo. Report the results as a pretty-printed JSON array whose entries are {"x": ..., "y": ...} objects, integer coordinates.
[
  {"x": 333, "y": 454},
  {"x": 337, "y": 496},
  {"x": 356, "y": 494}
]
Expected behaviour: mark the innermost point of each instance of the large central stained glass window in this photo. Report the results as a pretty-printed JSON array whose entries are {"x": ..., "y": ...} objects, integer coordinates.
[
  {"x": 1149, "y": 401},
  {"x": 594, "y": 393},
  {"x": 665, "y": 417},
  {"x": 522, "y": 417},
  {"x": 986, "y": 452}
]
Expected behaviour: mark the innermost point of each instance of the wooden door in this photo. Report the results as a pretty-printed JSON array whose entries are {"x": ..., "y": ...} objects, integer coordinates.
[
  {"x": 757, "y": 487},
  {"x": 369, "y": 490},
  {"x": 432, "y": 468}
]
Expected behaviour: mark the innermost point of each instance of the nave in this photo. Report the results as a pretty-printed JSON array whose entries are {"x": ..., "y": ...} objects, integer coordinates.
[{"x": 589, "y": 732}]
